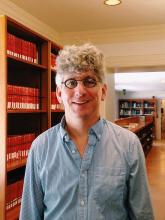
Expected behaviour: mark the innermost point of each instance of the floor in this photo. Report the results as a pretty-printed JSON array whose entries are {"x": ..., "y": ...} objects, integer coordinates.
[{"x": 155, "y": 163}]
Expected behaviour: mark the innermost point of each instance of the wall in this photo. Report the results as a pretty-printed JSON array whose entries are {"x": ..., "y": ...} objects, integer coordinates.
[
  {"x": 10, "y": 9},
  {"x": 110, "y": 107}
]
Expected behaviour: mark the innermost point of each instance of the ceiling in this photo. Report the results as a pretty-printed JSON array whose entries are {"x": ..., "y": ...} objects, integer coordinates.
[
  {"x": 84, "y": 15},
  {"x": 91, "y": 15}
]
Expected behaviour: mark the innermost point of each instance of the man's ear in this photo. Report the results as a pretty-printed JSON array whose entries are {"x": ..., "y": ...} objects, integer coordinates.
[
  {"x": 58, "y": 94},
  {"x": 104, "y": 92}
]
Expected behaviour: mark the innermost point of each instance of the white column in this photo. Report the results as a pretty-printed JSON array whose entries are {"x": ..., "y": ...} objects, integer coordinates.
[{"x": 110, "y": 102}]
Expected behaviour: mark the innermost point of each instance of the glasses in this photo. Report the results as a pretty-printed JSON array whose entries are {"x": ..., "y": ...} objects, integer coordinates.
[{"x": 88, "y": 82}]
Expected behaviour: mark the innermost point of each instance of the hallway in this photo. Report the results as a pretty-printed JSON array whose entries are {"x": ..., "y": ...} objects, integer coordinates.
[{"x": 155, "y": 163}]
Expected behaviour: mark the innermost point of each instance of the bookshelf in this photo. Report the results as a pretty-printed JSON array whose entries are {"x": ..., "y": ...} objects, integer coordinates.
[
  {"x": 137, "y": 107},
  {"x": 56, "y": 109},
  {"x": 26, "y": 82}
]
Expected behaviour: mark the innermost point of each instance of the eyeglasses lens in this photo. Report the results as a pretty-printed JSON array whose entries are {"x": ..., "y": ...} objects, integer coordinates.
[{"x": 87, "y": 82}]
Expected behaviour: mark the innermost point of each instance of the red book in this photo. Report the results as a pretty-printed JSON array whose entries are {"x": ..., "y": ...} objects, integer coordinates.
[
  {"x": 14, "y": 45},
  {"x": 24, "y": 50},
  {"x": 8, "y": 197},
  {"x": 29, "y": 51},
  {"x": 35, "y": 53},
  {"x": 9, "y": 46},
  {"x": 9, "y": 101},
  {"x": 19, "y": 47},
  {"x": 53, "y": 61},
  {"x": 31, "y": 59},
  {"x": 16, "y": 52},
  {"x": 10, "y": 89}
]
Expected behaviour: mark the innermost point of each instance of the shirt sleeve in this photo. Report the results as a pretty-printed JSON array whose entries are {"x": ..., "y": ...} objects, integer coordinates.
[
  {"x": 139, "y": 202},
  {"x": 32, "y": 198}
]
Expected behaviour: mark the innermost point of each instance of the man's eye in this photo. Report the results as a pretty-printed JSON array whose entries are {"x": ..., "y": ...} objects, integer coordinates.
[
  {"x": 71, "y": 83},
  {"x": 90, "y": 81}
]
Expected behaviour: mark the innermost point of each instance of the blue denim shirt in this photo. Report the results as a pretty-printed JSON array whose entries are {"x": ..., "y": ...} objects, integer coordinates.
[{"x": 108, "y": 183}]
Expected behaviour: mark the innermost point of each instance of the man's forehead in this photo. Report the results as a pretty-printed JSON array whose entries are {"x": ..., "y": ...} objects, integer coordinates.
[{"x": 79, "y": 75}]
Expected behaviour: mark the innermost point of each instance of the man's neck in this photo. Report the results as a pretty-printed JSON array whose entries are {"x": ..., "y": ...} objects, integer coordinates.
[
  {"x": 78, "y": 132},
  {"x": 80, "y": 126}
]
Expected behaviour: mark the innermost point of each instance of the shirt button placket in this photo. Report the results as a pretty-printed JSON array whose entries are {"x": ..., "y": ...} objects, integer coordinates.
[{"x": 83, "y": 196}]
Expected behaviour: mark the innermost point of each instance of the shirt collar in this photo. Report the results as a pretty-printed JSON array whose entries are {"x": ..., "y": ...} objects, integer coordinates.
[
  {"x": 63, "y": 132},
  {"x": 96, "y": 129}
]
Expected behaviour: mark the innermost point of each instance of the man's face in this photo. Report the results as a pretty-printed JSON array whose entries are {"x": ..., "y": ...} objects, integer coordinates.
[{"x": 81, "y": 101}]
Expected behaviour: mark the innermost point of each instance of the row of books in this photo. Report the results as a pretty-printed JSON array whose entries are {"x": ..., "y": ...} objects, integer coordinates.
[
  {"x": 53, "y": 61},
  {"x": 14, "y": 194},
  {"x": 18, "y": 147},
  {"x": 22, "y": 97},
  {"x": 55, "y": 105},
  {"x": 21, "y": 90},
  {"x": 23, "y": 102},
  {"x": 21, "y": 48}
]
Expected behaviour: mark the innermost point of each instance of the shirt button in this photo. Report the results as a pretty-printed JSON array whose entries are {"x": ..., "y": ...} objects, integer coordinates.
[
  {"x": 82, "y": 203},
  {"x": 83, "y": 174}
]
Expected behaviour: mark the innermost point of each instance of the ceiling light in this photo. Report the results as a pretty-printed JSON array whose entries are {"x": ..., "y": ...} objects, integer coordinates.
[{"x": 112, "y": 2}]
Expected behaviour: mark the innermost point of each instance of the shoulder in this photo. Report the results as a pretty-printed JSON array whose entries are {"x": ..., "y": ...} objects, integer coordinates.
[
  {"x": 48, "y": 134},
  {"x": 46, "y": 140},
  {"x": 118, "y": 131},
  {"x": 125, "y": 140}
]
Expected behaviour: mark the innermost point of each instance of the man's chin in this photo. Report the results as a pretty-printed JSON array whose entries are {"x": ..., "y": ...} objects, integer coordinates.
[{"x": 81, "y": 114}]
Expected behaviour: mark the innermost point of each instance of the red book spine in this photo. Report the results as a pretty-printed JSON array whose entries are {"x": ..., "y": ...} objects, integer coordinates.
[
  {"x": 12, "y": 45},
  {"x": 28, "y": 51},
  {"x": 9, "y": 101},
  {"x": 19, "y": 48},
  {"x": 35, "y": 53},
  {"x": 24, "y": 50},
  {"x": 20, "y": 186},
  {"x": 15, "y": 202},
  {"x": 31, "y": 53},
  {"x": 9, "y": 46},
  {"x": 53, "y": 61},
  {"x": 16, "y": 52},
  {"x": 12, "y": 195},
  {"x": 8, "y": 197}
]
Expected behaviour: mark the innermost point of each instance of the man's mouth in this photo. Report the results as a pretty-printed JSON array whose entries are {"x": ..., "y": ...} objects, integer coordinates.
[{"x": 80, "y": 102}]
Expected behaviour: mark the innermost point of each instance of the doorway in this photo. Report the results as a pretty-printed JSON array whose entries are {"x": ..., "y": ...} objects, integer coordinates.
[{"x": 143, "y": 85}]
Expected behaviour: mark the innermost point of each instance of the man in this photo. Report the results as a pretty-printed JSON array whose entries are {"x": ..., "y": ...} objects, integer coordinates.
[{"x": 85, "y": 168}]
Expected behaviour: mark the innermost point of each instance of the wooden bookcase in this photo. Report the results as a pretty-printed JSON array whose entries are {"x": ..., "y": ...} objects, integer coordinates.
[
  {"x": 136, "y": 107},
  {"x": 56, "y": 110},
  {"x": 19, "y": 71},
  {"x": 144, "y": 129}
]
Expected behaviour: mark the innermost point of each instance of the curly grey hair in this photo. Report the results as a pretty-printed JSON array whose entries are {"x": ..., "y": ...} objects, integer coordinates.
[{"x": 77, "y": 59}]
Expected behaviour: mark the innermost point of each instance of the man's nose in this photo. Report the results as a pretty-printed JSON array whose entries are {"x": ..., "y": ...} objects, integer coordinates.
[{"x": 80, "y": 88}]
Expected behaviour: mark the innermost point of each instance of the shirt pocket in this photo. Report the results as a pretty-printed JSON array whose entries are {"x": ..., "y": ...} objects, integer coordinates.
[{"x": 109, "y": 184}]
